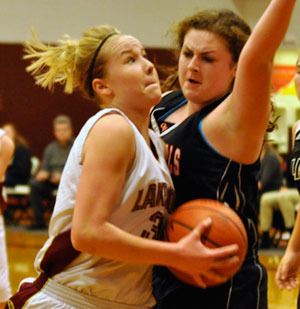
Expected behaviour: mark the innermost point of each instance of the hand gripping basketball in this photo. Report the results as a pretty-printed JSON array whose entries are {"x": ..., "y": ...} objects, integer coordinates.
[{"x": 226, "y": 229}]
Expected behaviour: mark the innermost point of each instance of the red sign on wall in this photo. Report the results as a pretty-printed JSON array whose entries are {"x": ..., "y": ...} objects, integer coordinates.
[{"x": 282, "y": 75}]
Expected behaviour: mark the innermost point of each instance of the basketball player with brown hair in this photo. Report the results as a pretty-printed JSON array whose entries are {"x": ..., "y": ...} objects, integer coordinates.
[{"x": 215, "y": 128}]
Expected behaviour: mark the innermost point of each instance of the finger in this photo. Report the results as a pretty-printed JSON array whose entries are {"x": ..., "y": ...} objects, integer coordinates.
[
  {"x": 200, "y": 281},
  {"x": 201, "y": 227},
  {"x": 225, "y": 264},
  {"x": 215, "y": 275},
  {"x": 224, "y": 252},
  {"x": 288, "y": 283},
  {"x": 282, "y": 273},
  {"x": 279, "y": 277}
]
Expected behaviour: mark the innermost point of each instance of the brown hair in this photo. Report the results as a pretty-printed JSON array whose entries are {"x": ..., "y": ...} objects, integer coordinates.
[{"x": 224, "y": 23}]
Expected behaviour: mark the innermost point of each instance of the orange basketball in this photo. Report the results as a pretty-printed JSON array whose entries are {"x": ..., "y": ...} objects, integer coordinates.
[{"x": 227, "y": 228}]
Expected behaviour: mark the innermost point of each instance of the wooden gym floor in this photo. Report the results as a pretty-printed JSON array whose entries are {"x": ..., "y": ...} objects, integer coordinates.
[{"x": 23, "y": 246}]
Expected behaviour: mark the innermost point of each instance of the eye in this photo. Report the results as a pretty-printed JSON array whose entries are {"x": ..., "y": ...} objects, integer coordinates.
[
  {"x": 208, "y": 59},
  {"x": 187, "y": 54},
  {"x": 130, "y": 59}
]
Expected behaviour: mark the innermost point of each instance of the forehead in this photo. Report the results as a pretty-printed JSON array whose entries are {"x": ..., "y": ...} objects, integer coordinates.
[
  {"x": 121, "y": 44},
  {"x": 204, "y": 41}
]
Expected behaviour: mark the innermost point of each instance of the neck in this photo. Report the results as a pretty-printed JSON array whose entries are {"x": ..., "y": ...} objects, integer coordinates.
[{"x": 140, "y": 119}]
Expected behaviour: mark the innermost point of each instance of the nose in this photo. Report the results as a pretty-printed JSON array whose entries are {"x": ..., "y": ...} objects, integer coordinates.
[
  {"x": 194, "y": 64},
  {"x": 149, "y": 66}
]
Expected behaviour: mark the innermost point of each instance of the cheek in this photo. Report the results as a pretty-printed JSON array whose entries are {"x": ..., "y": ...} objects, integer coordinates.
[
  {"x": 182, "y": 64},
  {"x": 182, "y": 70},
  {"x": 225, "y": 76}
]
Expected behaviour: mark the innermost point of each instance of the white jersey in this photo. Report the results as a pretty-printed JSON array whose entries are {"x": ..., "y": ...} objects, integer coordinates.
[{"x": 147, "y": 193}]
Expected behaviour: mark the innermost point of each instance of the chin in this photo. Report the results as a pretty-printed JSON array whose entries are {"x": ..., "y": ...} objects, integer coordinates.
[
  {"x": 190, "y": 95},
  {"x": 155, "y": 99},
  {"x": 155, "y": 96}
]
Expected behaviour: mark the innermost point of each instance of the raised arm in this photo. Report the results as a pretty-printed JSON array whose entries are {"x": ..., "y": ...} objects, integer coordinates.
[{"x": 244, "y": 116}]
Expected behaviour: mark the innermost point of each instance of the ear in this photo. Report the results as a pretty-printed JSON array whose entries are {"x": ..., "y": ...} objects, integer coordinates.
[
  {"x": 101, "y": 87},
  {"x": 234, "y": 67}
]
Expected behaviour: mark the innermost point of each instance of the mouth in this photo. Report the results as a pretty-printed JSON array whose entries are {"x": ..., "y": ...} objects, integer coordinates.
[
  {"x": 151, "y": 83},
  {"x": 193, "y": 81}
]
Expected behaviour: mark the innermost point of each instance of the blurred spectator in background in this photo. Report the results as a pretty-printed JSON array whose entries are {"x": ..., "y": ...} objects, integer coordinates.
[
  {"x": 19, "y": 170},
  {"x": 274, "y": 194},
  {"x": 271, "y": 172},
  {"x": 48, "y": 177}
]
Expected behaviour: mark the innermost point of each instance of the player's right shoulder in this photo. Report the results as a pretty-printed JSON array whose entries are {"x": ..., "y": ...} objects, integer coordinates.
[{"x": 113, "y": 126}]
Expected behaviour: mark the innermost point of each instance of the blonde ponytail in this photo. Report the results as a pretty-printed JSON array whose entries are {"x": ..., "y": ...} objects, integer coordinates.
[
  {"x": 66, "y": 63},
  {"x": 52, "y": 64}
]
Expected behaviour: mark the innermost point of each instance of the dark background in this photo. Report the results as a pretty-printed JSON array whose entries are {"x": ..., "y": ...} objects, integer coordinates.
[{"x": 32, "y": 108}]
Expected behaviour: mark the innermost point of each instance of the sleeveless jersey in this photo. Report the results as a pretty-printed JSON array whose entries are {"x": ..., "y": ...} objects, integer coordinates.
[
  {"x": 199, "y": 171},
  {"x": 295, "y": 159},
  {"x": 147, "y": 194}
]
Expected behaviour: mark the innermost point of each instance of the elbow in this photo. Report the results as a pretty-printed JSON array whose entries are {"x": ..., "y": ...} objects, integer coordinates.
[
  {"x": 79, "y": 240},
  {"x": 86, "y": 239}
]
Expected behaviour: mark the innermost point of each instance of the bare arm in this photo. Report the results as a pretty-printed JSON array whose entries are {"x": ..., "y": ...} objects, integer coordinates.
[
  {"x": 294, "y": 243},
  {"x": 289, "y": 267},
  {"x": 242, "y": 119},
  {"x": 6, "y": 153},
  {"x": 287, "y": 275},
  {"x": 104, "y": 172}
]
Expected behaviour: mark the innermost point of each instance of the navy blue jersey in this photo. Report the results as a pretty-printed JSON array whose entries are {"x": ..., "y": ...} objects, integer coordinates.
[
  {"x": 199, "y": 171},
  {"x": 295, "y": 160}
]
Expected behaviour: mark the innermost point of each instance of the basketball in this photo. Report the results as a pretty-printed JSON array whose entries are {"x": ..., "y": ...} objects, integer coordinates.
[{"x": 227, "y": 228}]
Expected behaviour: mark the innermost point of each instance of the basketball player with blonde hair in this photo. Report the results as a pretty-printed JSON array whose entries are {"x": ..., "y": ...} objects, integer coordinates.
[{"x": 115, "y": 188}]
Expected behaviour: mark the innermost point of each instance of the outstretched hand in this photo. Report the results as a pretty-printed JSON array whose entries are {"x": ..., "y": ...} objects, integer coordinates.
[{"x": 287, "y": 271}]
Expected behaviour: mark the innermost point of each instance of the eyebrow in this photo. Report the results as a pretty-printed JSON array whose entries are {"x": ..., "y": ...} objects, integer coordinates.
[
  {"x": 129, "y": 51},
  {"x": 201, "y": 52}
]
